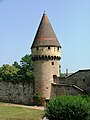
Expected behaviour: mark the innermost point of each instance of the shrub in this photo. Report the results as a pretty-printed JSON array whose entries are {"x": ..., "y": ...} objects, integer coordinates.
[
  {"x": 68, "y": 108},
  {"x": 1, "y": 79},
  {"x": 38, "y": 99}
]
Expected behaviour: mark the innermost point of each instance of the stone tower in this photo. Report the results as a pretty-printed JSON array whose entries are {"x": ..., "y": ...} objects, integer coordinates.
[{"x": 46, "y": 55}]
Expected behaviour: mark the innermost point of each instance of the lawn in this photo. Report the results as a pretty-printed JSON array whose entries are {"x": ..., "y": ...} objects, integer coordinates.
[{"x": 19, "y": 113}]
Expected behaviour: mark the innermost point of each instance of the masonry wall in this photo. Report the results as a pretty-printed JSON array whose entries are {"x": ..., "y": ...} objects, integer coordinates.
[
  {"x": 45, "y": 68},
  {"x": 22, "y": 92},
  {"x": 77, "y": 83},
  {"x": 44, "y": 71},
  {"x": 81, "y": 79},
  {"x": 16, "y": 92},
  {"x": 53, "y": 51},
  {"x": 58, "y": 90}
]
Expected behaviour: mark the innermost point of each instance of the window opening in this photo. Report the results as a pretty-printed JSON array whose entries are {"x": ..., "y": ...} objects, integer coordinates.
[
  {"x": 52, "y": 63},
  {"x": 37, "y": 48},
  {"x": 83, "y": 80},
  {"x": 57, "y": 48},
  {"x": 48, "y": 47}
]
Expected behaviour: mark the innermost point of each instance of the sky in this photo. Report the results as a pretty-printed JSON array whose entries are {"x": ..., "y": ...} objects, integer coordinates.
[{"x": 70, "y": 19}]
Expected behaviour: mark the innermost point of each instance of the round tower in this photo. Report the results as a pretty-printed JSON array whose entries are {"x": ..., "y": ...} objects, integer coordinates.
[{"x": 46, "y": 53}]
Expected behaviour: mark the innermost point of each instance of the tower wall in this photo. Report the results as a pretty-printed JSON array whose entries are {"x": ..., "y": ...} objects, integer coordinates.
[
  {"x": 55, "y": 51},
  {"x": 46, "y": 64},
  {"x": 43, "y": 72}
]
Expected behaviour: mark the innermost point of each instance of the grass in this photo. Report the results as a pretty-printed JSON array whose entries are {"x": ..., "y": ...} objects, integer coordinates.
[{"x": 19, "y": 113}]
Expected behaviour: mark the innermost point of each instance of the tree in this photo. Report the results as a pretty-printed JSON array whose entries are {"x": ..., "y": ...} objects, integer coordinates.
[
  {"x": 7, "y": 71},
  {"x": 16, "y": 65},
  {"x": 26, "y": 62},
  {"x": 27, "y": 67},
  {"x": 24, "y": 71}
]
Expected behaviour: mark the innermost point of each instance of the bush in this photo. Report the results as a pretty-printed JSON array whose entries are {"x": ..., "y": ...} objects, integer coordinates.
[
  {"x": 39, "y": 100},
  {"x": 68, "y": 108},
  {"x": 1, "y": 79}
]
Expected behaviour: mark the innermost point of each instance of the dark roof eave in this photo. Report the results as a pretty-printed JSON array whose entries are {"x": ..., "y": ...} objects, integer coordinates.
[{"x": 46, "y": 46}]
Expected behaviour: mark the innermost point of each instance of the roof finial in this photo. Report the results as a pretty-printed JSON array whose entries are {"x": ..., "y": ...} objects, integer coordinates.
[{"x": 44, "y": 12}]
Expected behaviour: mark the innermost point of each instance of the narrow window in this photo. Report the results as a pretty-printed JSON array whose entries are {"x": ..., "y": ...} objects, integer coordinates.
[
  {"x": 83, "y": 80},
  {"x": 48, "y": 47},
  {"x": 37, "y": 48},
  {"x": 52, "y": 63},
  {"x": 58, "y": 48}
]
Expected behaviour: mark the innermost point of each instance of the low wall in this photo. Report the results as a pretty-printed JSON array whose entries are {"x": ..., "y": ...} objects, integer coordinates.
[
  {"x": 16, "y": 92},
  {"x": 64, "y": 89}
]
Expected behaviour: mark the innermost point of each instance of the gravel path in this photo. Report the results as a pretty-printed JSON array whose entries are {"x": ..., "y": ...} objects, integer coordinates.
[{"x": 32, "y": 107}]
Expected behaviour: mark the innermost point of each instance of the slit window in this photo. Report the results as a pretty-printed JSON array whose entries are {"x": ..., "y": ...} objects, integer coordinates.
[
  {"x": 48, "y": 47},
  {"x": 83, "y": 80},
  {"x": 37, "y": 48},
  {"x": 52, "y": 63},
  {"x": 58, "y": 48}
]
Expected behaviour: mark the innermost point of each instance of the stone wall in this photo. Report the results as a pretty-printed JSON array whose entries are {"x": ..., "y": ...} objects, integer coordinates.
[
  {"x": 64, "y": 89},
  {"x": 81, "y": 78},
  {"x": 18, "y": 92},
  {"x": 43, "y": 72},
  {"x": 22, "y": 92},
  {"x": 77, "y": 83},
  {"x": 53, "y": 51}
]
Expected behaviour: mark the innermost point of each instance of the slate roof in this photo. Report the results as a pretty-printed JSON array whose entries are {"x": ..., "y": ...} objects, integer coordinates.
[
  {"x": 79, "y": 71},
  {"x": 45, "y": 35}
]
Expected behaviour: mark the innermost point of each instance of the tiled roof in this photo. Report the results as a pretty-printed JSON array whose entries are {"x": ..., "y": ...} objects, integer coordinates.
[{"x": 45, "y": 35}]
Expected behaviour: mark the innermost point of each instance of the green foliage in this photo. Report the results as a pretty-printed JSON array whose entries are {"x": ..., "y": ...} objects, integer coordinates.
[
  {"x": 68, "y": 108},
  {"x": 27, "y": 67},
  {"x": 38, "y": 99},
  {"x": 15, "y": 64},
  {"x": 62, "y": 75},
  {"x": 16, "y": 72},
  {"x": 27, "y": 63},
  {"x": 8, "y": 71},
  {"x": 1, "y": 79}
]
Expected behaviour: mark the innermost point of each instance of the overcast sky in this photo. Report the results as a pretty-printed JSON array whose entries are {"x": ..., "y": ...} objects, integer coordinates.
[{"x": 70, "y": 19}]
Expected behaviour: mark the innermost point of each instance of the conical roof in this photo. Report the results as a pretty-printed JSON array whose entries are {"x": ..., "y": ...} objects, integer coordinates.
[{"x": 45, "y": 35}]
